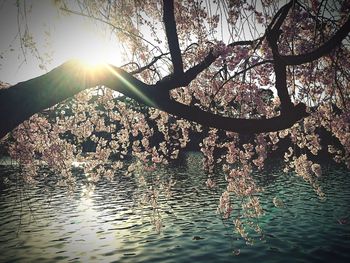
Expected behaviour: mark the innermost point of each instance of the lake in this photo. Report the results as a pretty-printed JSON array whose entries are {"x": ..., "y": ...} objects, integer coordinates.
[{"x": 39, "y": 224}]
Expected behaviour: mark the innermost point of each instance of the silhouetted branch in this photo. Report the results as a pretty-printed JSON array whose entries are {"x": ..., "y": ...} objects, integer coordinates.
[
  {"x": 173, "y": 82},
  {"x": 149, "y": 65},
  {"x": 272, "y": 36},
  {"x": 235, "y": 75},
  {"x": 324, "y": 49},
  {"x": 171, "y": 34},
  {"x": 24, "y": 99}
]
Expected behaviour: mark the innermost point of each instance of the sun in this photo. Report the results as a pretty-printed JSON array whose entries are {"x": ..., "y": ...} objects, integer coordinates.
[
  {"x": 94, "y": 60},
  {"x": 97, "y": 55},
  {"x": 94, "y": 51}
]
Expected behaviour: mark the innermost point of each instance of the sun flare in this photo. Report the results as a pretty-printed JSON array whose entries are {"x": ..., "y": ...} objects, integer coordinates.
[
  {"x": 94, "y": 61},
  {"x": 96, "y": 51},
  {"x": 97, "y": 58}
]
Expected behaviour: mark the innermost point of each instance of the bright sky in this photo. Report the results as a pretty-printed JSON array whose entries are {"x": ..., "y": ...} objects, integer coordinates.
[{"x": 62, "y": 36}]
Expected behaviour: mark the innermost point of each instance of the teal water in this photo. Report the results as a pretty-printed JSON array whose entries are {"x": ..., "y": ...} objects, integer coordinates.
[{"x": 45, "y": 225}]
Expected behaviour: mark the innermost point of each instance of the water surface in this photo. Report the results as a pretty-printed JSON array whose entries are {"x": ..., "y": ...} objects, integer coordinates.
[{"x": 46, "y": 225}]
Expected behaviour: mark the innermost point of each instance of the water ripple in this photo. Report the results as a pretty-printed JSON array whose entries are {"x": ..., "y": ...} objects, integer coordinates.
[{"x": 108, "y": 227}]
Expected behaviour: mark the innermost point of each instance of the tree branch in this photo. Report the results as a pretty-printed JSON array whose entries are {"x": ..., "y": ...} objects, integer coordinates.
[
  {"x": 326, "y": 48},
  {"x": 235, "y": 75},
  {"x": 149, "y": 65},
  {"x": 24, "y": 99},
  {"x": 272, "y": 36},
  {"x": 238, "y": 125},
  {"x": 280, "y": 16},
  {"x": 171, "y": 34},
  {"x": 173, "y": 82}
]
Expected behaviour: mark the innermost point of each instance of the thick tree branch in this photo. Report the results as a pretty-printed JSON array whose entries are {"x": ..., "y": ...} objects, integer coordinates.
[
  {"x": 173, "y": 82},
  {"x": 244, "y": 126},
  {"x": 272, "y": 36},
  {"x": 24, "y": 99},
  {"x": 324, "y": 49},
  {"x": 191, "y": 73},
  {"x": 279, "y": 17},
  {"x": 281, "y": 62},
  {"x": 281, "y": 86},
  {"x": 171, "y": 34}
]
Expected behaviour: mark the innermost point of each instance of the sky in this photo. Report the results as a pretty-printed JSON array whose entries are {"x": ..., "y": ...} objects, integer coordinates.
[{"x": 61, "y": 36}]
